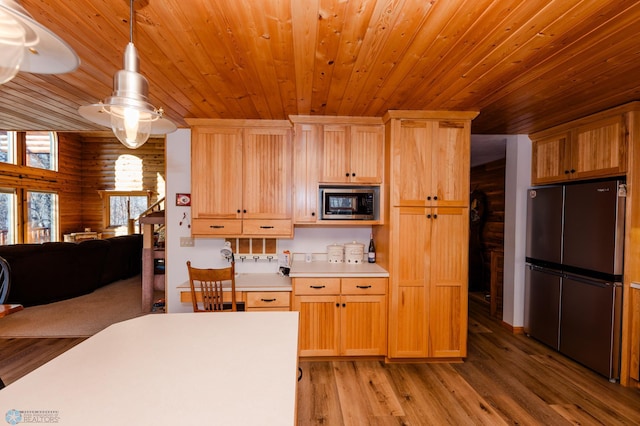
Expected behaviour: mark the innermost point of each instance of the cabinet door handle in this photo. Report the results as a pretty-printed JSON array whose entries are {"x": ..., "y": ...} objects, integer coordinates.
[
  {"x": 435, "y": 216},
  {"x": 266, "y": 227},
  {"x": 435, "y": 197},
  {"x": 429, "y": 216},
  {"x": 317, "y": 286},
  {"x": 363, "y": 286},
  {"x": 216, "y": 226},
  {"x": 343, "y": 305},
  {"x": 268, "y": 300}
]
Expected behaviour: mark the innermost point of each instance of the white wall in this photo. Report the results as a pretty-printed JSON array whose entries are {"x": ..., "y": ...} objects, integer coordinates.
[
  {"x": 206, "y": 251},
  {"x": 517, "y": 181}
]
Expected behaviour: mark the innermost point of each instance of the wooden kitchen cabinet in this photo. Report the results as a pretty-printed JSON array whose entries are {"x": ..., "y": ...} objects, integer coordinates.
[
  {"x": 424, "y": 244},
  {"x": 306, "y": 172},
  {"x": 351, "y": 149},
  {"x": 241, "y": 178},
  {"x": 432, "y": 158},
  {"x": 352, "y": 153},
  {"x": 428, "y": 298},
  {"x": 268, "y": 301},
  {"x": 341, "y": 316},
  {"x": 589, "y": 150}
]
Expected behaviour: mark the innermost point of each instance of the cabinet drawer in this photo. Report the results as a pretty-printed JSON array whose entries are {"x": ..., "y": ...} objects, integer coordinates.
[
  {"x": 312, "y": 286},
  {"x": 364, "y": 285},
  {"x": 216, "y": 227},
  {"x": 268, "y": 299},
  {"x": 268, "y": 227}
]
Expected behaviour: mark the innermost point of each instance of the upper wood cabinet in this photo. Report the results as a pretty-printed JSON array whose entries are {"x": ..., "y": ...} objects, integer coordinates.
[
  {"x": 352, "y": 153},
  {"x": 306, "y": 172},
  {"x": 241, "y": 178},
  {"x": 325, "y": 149},
  {"x": 590, "y": 150},
  {"x": 430, "y": 156},
  {"x": 351, "y": 149}
]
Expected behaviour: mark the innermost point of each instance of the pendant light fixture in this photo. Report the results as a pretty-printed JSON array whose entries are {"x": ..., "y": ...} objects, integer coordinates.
[
  {"x": 127, "y": 111},
  {"x": 26, "y": 45}
]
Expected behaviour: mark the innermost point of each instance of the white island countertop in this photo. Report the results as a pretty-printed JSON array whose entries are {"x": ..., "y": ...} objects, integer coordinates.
[{"x": 236, "y": 368}]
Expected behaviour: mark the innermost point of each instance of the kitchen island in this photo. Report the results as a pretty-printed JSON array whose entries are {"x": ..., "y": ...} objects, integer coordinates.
[{"x": 233, "y": 368}]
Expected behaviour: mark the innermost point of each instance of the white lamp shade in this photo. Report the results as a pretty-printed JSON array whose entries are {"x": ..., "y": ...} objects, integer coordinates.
[
  {"x": 43, "y": 51},
  {"x": 12, "y": 40}
]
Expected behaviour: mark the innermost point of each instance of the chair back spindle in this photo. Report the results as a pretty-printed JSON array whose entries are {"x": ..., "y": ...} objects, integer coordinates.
[{"x": 211, "y": 284}]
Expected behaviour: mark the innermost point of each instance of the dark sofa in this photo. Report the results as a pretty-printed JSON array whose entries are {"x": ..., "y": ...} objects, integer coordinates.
[{"x": 50, "y": 272}]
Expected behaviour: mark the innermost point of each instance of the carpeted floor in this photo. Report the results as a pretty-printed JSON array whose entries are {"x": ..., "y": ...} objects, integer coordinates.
[{"x": 78, "y": 317}]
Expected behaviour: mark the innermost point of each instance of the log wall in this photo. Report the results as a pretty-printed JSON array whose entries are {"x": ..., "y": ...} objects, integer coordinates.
[
  {"x": 88, "y": 163},
  {"x": 489, "y": 178},
  {"x": 109, "y": 165}
]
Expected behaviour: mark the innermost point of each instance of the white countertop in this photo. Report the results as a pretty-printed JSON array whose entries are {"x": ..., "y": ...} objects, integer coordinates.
[
  {"x": 169, "y": 369},
  {"x": 256, "y": 282},
  {"x": 300, "y": 269}
]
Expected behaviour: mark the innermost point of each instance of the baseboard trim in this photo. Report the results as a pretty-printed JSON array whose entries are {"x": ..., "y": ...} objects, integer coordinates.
[{"x": 512, "y": 329}]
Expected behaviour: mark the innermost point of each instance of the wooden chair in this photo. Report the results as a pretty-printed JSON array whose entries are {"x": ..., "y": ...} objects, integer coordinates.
[{"x": 209, "y": 283}]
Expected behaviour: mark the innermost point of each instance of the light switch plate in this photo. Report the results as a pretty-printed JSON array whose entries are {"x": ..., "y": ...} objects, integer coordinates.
[{"x": 186, "y": 242}]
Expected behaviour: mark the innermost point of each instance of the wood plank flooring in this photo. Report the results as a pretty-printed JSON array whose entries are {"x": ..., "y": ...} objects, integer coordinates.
[{"x": 506, "y": 379}]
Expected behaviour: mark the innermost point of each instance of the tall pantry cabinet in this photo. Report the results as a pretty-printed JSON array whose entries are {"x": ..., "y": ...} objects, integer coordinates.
[{"x": 427, "y": 232}]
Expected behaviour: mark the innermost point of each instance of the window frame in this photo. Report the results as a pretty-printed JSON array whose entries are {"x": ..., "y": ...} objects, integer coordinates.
[
  {"x": 53, "y": 150},
  {"x": 54, "y": 228},
  {"x": 106, "y": 203}
]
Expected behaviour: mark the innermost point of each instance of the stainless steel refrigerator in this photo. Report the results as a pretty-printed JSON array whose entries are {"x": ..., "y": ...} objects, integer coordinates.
[{"x": 573, "y": 284}]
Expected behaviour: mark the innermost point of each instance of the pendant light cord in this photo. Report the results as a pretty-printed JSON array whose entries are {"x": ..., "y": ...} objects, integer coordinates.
[{"x": 131, "y": 22}]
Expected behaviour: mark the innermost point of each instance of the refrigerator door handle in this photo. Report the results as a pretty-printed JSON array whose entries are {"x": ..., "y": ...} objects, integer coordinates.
[
  {"x": 583, "y": 280},
  {"x": 550, "y": 271}
]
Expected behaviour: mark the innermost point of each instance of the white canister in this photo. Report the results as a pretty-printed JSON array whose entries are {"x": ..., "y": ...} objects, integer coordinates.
[
  {"x": 335, "y": 253},
  {"x": 353, "y": 252}
]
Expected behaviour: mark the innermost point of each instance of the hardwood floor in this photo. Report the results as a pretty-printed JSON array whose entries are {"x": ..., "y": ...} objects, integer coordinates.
[{"x": 506, "y": 379}]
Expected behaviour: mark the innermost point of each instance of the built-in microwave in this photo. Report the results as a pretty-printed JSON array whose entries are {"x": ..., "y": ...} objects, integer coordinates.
[{"x": 348, "y": 203}]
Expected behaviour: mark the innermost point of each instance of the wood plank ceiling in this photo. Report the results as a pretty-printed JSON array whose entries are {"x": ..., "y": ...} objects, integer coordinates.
[{"x": 525, "y": 65}]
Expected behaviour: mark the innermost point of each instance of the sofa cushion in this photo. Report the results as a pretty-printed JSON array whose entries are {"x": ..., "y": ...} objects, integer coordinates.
[
  {"x": 50, "y": 272},
  {"x": 42, "y": 273},
  {"x": 124, "y": 259}
]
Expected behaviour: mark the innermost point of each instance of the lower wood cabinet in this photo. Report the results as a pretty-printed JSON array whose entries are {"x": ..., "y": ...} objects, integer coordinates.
[
  {"x": 341, "y": 316},
  {"x": 268, "y": 300},
  {"x": 428, "y": 291}
]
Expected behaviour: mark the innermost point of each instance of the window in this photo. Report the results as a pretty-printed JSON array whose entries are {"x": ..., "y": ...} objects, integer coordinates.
[
  {"x": 7, "y": 147},
  {"x": 28, "y": 209},
  {"x": 8, "y": 215},
  {"x": 42, "y": 208},
  {"x": 41, "y": 149},
  {"x": 123, "y": 206}
]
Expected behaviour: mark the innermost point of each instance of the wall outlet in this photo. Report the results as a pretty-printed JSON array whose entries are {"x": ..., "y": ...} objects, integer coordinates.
[{"x": 186, "y": 242}]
